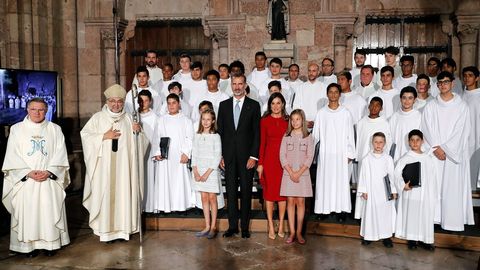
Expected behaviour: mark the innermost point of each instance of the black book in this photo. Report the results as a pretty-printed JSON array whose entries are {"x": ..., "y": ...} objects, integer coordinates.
[
  {"x": 392, "y": 150},
  {"x": 114, "y": 145},
  {"x": 412, "y": 172},
  {"x": 164, "y": 146},
  {"x": 388, "y": 188}
]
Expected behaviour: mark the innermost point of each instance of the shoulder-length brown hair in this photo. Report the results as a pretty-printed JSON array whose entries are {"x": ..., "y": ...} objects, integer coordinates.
[
  {"x": 269, "y": 105},
  {"x": 304, "y": 123},
  {"x": 213, "y": 128}
]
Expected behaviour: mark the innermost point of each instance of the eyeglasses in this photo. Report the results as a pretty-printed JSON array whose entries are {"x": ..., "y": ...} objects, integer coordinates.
[{"x": 445, "y": 82}]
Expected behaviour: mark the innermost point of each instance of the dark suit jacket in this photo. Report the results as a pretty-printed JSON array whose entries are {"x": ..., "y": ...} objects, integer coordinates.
[{"x": 243, "y": 142}]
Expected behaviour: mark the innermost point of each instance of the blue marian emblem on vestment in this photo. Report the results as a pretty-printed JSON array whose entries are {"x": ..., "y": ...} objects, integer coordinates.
[{"x": 38, "y": 145}]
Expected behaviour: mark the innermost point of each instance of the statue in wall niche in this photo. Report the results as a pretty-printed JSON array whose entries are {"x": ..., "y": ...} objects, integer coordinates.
[{"x": 278, "y": 19}]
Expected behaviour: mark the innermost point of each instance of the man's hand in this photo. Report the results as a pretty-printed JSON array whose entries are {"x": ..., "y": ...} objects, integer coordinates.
[
  {"x": 111, "y": 134},
  {"x": 251, "y": 163},
  {"x": 184, "y": 159},
  {"x": 365, "y": 196},
  {"x": 310, "y": 124},
  {"x": 439, "y": 153},
  {"x": 39, "y": 176},
  {"x": 407, "y": 186},
  {"x": 158, "y": 158},
  {"x": 136, "y": 127},
  {"x": 395, "y": 196},
  {"x": 222, "y": 164}
]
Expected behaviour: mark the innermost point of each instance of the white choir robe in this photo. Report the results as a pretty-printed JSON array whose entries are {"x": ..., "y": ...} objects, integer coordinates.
[
  {"x": 163, "y": 89},
  {"x": 391, "y": 101},
  {"x": 420, "y": 103},
  {"x": 416, "y": 207},
  {"x": 193, "y": 90},
  {"x": 185, "y": 109},
  {"x": 401, "y": 82},
  {"x": 377, "y": 213},
  {"x": 38, "y": 218},
  {"x": 310, "y": 97},
  {"x": 113, "y": 185},
  {"x": 258, "y": 77},
  {"x": 355, "y": 71},
  {"x": 214, "y": 97},
  {"x": 366, "y": 91},
  {"x": 434, "y": 91},
  {"x": 472, "y": 98},
  {"x": 156, "y": 98},
  {"x": 223, "y": 84},
  {"x": 355, "y": 104},
  {"x": 401, "y": 123},
  {"x": 366, "y": 127},
  {"x": 154, "y": 73},
  {"x": 327, "y": 80},
  {"x": 286, "y": 91},
  {"x": 173, "y": 190},
  {"x": 334, "y": 130},
  {"x": 149, "y": 121},
  {"x": 294, "y": 85},
  {"x": 182, "y": 77},
  {"x": 447, "y": 124},
  {"x": 458, "y": 86}
]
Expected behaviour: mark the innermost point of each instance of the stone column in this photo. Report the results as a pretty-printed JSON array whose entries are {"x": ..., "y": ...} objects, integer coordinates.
[
  {"x": 341, "y": 35},
  {"x": 468, "y": 37},
  {"x": 220, "y": 37}
]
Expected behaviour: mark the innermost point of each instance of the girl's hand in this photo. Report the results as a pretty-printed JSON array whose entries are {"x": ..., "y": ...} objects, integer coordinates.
[{"x": 365, "y": 196}]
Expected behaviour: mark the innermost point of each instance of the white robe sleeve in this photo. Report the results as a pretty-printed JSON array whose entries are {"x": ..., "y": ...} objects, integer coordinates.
[
  {"x": 187, "y": 144},
  {"x": 195, "y": 151},
  {"x": 453, "y": 145}
]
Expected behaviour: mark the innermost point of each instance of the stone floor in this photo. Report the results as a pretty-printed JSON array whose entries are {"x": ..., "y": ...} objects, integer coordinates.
[{"x": 182, "y": 250}]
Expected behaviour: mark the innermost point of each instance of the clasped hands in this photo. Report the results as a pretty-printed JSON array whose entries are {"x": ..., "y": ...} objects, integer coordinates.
[
  {"x": 439, "y": 153},
  {"x": 38, "y": 175}
]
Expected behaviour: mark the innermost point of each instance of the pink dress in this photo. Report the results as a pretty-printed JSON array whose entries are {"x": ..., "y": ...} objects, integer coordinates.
[{"x": 296, "y": 151}]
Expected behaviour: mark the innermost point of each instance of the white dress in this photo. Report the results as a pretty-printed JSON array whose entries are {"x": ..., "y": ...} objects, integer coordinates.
[{"x": 206, "y": 154}]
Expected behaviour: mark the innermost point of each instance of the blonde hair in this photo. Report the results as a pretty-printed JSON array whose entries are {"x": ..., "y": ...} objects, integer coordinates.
[
  {"x": 213, "y": 128},
  {"x": 304, "y": 123}
]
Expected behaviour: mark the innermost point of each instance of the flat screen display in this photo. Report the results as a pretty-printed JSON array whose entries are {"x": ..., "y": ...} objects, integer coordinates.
[{"x": 18, "y": 86}]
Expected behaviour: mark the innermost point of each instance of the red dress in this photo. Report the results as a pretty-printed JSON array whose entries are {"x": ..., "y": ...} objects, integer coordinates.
[{"x": 272, "y": 131}]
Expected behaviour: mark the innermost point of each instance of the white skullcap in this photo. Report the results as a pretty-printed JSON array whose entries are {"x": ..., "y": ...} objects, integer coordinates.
[{"x": 115, "y": 91}]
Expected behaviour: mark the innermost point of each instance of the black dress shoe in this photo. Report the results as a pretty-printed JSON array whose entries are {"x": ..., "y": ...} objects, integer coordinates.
[
  {"x": 341, "y": 217},
  {"x": 32, "y": 254},
  {"x": 230, "y": 233},
  {"x": 50, "y": 253},
  {"x": 245, "y": 234},
  {"x": 388, "y": 243},
  {"x": 429, "y": 247},
  {"x": 366, "y": 242},
  {"x": 412, "y": 244}
]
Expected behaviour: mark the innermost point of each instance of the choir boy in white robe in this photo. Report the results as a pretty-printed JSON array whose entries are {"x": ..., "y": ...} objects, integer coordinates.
[
  {"x": 433, "y": 69},
  {"x": 472, "y": 98},
  {"x": 403, "y": 121},
  {"x": 449, "y": 65},
  {"x": 416, "y": 205},
  {"x": 113, "y": 182},
  {"x": 378, "y": 213},
  {"x": 213, "y": 94},
  {"x": 408, "y": 78},
  {"x": 333, "y": 128},
  {"x": 148, "y": 120},
  {"x": 260, "y": 73},
  {"x": 143, "y": 79},
  {"x": 185, "y": 108},
  {"x": 293, "y": 80},
  {"x": 328, "y": 77},
  {"x": 390, "y": 54},
  {"x": 446, "y": 127},
  {"x": 367, "y": 85},
  {"x": 311, "y": 96},
  {"x": 355, "y": 103},
  {"x": 185, "y": 72},
  {"x": 36, "y": 175},
  {"x": 196, "y": 87},
  {"x": 423, "y": 92},
  {"x": 167, "y": 80},
  {"x": 389, "y": 94},
  {"x": 224, "y": 71},
  {"x": 173, "y": 191},
  {"x": 151, "y": 62},
  {"x": 359, "y": 58},
  {"x": 368, "y": 125},
  {"x": 275, "y": 67}
]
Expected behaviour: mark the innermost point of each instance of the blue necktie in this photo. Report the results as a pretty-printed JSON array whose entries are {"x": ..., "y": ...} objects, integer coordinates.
[{"x": 236, "y": 113}]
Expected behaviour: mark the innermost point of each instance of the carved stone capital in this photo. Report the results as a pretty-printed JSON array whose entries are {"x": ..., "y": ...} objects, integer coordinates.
[
  {"x": 447, "y": 25},
  {"x": 342, "y": 34},
  {"x": 468, "y": 33},
  {"x": 108, "y": 37}
]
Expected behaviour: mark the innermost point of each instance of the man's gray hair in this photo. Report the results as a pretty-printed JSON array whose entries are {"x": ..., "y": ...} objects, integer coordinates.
[{"x": 38, "y": 100}]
